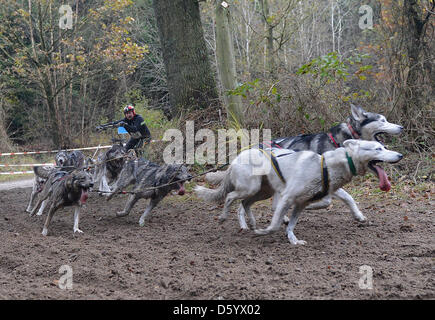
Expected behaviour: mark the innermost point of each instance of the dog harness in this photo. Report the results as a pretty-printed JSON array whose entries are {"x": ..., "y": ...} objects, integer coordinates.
[
  {"x": 325, "y": 181},
  {"x": 333, "y": 140},
  {"x": 59, "y": 176},
  {"x": 273, "y": 161},
  {"x": 323, "y": 170}
]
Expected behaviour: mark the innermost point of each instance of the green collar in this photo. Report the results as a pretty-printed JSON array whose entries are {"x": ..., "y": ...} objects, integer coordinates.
[{"x": 351, "y": 164}]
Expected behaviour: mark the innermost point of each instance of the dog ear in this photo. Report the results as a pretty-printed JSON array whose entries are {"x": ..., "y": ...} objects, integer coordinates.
[
  {"x": 351, "y": 144},
  {"x": 358, "y": 113}
]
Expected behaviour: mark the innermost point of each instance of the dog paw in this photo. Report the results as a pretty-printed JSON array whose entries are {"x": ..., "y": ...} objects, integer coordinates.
[
  {"x": 244, "y": 230},
  {"x": 78, "y": 230},
  {"x": 361, "y": 218},
  {"x": 141, "y": 223},
  {"x": 261, "y": 232},
  {"x": 222, "y": 218},
  {"x": 298, "y": 242},
  {"x": 121, "y": 214},
  {"x": 44, "y": 232}
]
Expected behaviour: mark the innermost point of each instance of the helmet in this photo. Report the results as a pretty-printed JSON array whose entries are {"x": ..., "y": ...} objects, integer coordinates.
[{"x": 128, "y": 108}]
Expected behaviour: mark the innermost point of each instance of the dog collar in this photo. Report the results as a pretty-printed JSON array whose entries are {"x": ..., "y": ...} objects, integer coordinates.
[
  {"x": 354, "y": 134},
  {"x": 351, "y": 164},
  {"x": 333, "y": 140},
  {"x": 271, "y": 144}
]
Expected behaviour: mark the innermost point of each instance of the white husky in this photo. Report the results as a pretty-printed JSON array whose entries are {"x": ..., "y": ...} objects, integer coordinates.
[{"x": 295, "y": 179}]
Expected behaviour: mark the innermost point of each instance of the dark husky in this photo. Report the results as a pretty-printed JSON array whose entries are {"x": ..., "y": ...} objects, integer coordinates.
[
  {"x": 109, "y": 165},
  {"x": 76, "y": 159},
  {"x": 360, "y": 125},
  {"x": 65, "y": 159},
  {"x": 61, "y": 158},
  {"x": 63, "y": 189},
  {"x": 147, "y": 177},
  {"x": 73, "y": 159}
]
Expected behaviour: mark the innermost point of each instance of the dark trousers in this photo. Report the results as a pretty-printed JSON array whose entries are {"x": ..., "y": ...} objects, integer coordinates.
[{"x": 134, "y": 144}]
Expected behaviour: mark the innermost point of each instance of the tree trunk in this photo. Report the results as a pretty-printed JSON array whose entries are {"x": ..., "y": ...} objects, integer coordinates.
[
  {"x": 227, "y": 65},
  {"x": 270, "y": 60},
  {"x": 416, "y": 47},
  {"x": 191, "y": 84},
  {"x": 5, "y": 142}
]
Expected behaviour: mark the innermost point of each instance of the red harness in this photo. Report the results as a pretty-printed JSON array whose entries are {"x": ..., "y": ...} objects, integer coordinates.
[{"x": 333, "y": 140}]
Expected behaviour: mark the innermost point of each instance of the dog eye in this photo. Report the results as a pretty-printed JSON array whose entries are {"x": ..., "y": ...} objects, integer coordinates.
[{"x": 378, "y": 149}]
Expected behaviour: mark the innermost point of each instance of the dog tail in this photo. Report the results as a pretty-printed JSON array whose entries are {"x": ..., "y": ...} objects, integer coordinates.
[
  {"x": 215, "y": 177},
  {"x": 219, "y": 194},
  {"x": 42, "y": 172}
]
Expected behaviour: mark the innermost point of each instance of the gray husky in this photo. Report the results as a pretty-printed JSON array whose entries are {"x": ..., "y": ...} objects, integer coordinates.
[
  {"x": 62, "y": 189},
  {"x": 73, "y": 159},
  {"x": 109, "y": 165},
  {"x": 150, "y": 182},
  {"x": 360, "y": 125},
  {"x": 68, "y": 161},
  {"x": 306, "y": 177}
]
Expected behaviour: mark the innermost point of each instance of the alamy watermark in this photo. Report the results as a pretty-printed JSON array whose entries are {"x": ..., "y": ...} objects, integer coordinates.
[
  {"x": 366, "y": 280},
  {"x": 204, "y": 147},
  {"x": 66, "y": 20},
  {"x": 366, "y": 20},
  {"x": 66, "y": 280}
]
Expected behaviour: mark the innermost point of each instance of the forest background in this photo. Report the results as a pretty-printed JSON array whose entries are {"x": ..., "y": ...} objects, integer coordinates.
[{"x": 287, "y": 65}]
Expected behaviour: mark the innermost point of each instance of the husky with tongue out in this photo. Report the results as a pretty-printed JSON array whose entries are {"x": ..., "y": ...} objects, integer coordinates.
[
  {"x": 151, "y": 181},
  {"x": 63, "y": 189},
  {"x": 296, "y": 178}
]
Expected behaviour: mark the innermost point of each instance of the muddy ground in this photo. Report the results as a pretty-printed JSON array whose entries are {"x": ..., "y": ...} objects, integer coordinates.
[{"x": 184, "y": 253}]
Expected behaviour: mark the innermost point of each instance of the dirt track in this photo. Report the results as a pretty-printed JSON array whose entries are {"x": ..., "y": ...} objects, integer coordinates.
[
  {"x": 184, "y": 253},
  {"x": 24, "y": 183}
]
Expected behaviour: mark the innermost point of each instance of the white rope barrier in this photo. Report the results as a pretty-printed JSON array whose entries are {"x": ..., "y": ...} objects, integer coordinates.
[
  {"x": 38, "y": 164},
  {"x": 27, "y": 165},
  {"x": 16, "y": 172},
  {"x": 42, "y": 152},
  {"x": 52, "y": 151}
]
